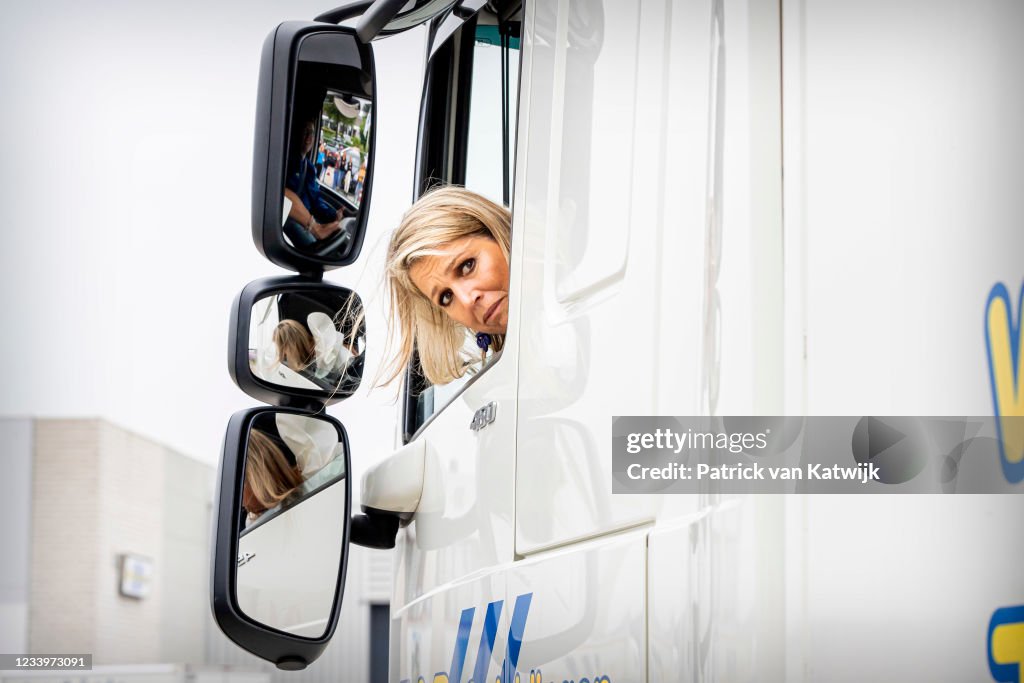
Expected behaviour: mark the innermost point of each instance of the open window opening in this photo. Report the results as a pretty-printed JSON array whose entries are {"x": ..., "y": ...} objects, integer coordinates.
[{"x": 467, "y": 137}]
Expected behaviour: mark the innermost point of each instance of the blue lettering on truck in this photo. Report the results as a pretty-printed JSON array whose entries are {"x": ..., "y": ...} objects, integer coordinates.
[{"x": 514, "y": 644}]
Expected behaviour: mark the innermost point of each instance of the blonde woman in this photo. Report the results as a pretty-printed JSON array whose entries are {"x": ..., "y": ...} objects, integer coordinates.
[
  {"x": 274, "y": 469},
  {"x": 447, "y": 278},
  {"x": 321, "y": 344},
  {"x": 269, "y": 475},
  {"x": 295, "y": 346}
]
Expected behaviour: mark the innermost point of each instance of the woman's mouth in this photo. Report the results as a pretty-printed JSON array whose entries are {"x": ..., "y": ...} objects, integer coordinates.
[{"x": 492, "y": 311}]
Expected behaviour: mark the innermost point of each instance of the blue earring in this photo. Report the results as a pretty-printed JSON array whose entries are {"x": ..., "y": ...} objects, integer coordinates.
[{"x": 483, "y": 340}]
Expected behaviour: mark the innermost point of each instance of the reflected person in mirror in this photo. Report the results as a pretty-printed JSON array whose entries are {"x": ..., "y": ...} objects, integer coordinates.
[
  {"x": 447, "y": 276},
  {"x": 360, "y": 179},
  {"x": 270, "y": 476},
  {"x": 310, "y": 218},
  {"x": 278, "y": 464},
  {"x": 317, "y": 346}
]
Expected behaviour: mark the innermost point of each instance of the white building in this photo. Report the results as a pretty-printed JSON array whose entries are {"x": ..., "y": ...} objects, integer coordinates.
[{"x": 77, "y": 496}]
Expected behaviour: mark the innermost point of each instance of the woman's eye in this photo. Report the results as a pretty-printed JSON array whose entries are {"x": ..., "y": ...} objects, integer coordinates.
[
  {"x": 445, "y": 298},
  {"x": 467, "y": 266}
]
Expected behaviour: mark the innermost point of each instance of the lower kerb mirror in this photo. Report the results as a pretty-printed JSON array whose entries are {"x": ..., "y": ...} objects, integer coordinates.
[{"x": 294, "y": 506}]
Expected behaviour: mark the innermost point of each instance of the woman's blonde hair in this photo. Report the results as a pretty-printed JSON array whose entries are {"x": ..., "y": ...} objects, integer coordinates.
[
  {"x": 269, "y": 477},
  {"x": 295, "y": 347},
  {"x": 440, "y": 216}
]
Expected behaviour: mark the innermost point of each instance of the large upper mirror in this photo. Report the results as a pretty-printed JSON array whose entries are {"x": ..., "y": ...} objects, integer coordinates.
[
  {"x": 294, "y": 340},
  {"x": 313, "y": 158},
  {"x": 293, "y": 508}
]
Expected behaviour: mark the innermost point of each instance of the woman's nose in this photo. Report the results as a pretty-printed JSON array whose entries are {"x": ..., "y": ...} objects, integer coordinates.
[{"x": 467, "y": 293}]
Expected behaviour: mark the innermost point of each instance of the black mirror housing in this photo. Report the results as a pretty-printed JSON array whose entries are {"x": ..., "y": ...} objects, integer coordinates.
[
  {"x": 287, "y": 650},
  {"x": 329, "y": 317},
  {"x": 320, "y": 76}
]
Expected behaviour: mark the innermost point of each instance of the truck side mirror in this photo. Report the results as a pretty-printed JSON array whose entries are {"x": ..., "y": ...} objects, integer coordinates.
[
  {"x": 313, "y": 152},
  {"x": 281, "y": 533},
  {"x": 293, "y": 341}
]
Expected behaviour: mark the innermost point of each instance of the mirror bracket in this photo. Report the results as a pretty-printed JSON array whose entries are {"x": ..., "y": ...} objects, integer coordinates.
[
  {"x": 349, "y": 10},
  {"x": 395, "y": 485},
  {"x": 376, "y": 18},
  {"x": 376, "y": 529},
  {"x": 303, "y": 404},
  {"x": 292, "y": 664}
]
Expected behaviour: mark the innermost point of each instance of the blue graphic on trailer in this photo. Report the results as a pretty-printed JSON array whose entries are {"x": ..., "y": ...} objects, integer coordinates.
[{"x": 514, "y": 643}]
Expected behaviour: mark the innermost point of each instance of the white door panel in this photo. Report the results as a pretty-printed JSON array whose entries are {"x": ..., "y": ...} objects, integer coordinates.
[
  {"x": 464, "y": 520},
  {"x": 441, "y": 632},
  {"x": 716, "y": 594},
  {"x": 690, "y": 307},
  {"x": 586, "y": 616}
]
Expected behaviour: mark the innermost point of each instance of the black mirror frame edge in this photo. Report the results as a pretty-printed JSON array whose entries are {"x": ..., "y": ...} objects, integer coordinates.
[
  {"x": 276, "y": 82},
  {"x": 238, "y": 344},
  {"x": 287, "y": 651}
]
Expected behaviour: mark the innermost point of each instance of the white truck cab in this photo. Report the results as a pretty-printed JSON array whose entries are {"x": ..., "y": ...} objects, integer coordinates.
[{"x": 718, "y": 208}]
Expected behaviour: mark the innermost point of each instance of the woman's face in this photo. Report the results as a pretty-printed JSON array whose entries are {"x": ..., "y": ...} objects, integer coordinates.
[{"x": 468, "y": 281}]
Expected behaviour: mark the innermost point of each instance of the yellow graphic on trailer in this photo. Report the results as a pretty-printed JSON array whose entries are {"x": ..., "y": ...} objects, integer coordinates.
[
  {"x": 1006, "y": 644},
  {"x": 1006, "y": 372}
]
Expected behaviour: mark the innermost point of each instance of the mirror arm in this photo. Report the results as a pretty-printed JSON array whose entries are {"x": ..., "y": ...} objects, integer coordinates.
[
  {"x": 349, "y": 10},
  {"x": 376, "y": 18},
  {"x": 376, "y": 529},
  {"x": 313, "y": 274},
  {"x": 467, "y": 9},
  {"x": 507, "y": 8},
  {"x": 308, "y": 405}
]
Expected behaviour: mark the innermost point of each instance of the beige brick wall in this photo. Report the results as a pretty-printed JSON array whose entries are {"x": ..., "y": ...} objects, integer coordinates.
[
  {"x": 131, "y": 505},
  {"x": 98, "y": 492},
  {"x": 65, "y": 536},
  {"x": 15, "y": 531},
  {"x": 185, "y": 618}
]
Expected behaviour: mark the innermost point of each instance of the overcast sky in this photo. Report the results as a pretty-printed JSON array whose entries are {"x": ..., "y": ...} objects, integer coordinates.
[{"x": 126, "y": 172}]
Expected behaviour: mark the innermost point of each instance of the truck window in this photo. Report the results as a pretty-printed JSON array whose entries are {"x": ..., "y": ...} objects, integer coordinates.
[
  {"x": 470, "y": 104},
  {"x": 340, "y": 155},
  {"x": 493, "y": 98}
]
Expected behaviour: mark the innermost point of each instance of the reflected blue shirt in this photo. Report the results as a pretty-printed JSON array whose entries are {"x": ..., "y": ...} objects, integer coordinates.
[{"x": 303, "y": 183}]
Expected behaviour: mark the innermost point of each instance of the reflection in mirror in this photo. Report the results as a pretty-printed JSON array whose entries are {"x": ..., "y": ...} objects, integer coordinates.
[
  {"x": 328, "y": 158},
  {"x": 293, "y": 511},
  {"x": 309, "y": 340}
]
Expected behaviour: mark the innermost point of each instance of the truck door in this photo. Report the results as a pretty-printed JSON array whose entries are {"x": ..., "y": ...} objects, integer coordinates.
[{"x": 464, "y": 524}]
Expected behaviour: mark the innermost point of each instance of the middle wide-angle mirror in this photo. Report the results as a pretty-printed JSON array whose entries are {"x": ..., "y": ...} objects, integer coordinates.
[
  {"x": 295, "y": 339},
  {"x": 312, "y": 162}
]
